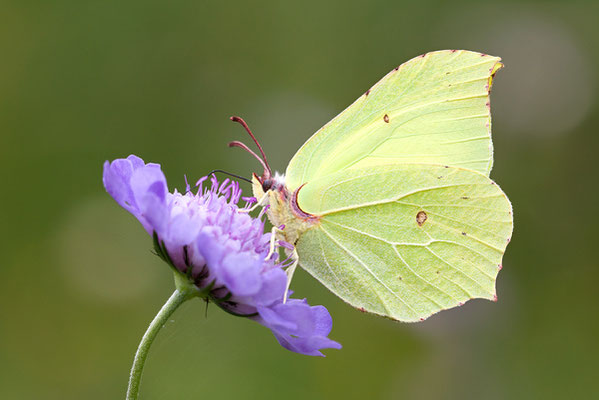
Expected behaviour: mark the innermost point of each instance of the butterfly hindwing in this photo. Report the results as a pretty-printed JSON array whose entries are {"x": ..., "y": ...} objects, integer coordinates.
[{"x": 428, "y": 238}]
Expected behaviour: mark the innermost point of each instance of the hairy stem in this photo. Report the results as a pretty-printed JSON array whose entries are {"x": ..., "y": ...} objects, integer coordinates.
[{"x": 180, "y": 295}]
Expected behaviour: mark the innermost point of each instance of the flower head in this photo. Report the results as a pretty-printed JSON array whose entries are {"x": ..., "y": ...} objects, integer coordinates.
[{"x": 220, "y": 249}]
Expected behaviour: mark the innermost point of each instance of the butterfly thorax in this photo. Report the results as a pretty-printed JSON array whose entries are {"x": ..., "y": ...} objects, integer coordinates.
[{"x": 283, "y": 209}]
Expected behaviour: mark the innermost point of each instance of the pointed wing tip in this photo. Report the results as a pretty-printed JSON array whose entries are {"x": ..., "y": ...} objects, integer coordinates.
[
  {"x": 492, "y": 71},
  {"x": 496, "y": 67}
]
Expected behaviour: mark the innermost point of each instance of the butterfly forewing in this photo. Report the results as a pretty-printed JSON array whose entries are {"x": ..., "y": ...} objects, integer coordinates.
[{"x": 432, "y": 109}]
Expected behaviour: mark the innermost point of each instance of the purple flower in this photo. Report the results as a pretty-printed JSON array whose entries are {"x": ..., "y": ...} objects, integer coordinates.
[{"x": 220, "y": 248}]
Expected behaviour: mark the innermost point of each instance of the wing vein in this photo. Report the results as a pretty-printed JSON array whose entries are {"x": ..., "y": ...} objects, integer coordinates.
[
  {"x": 470, "y": 236},
  {"x": 384, "y": 201},
  {"x": 422, "y": 279},
  {"x": 460, "y": 271},
  {"x": 352, "y": 255}
]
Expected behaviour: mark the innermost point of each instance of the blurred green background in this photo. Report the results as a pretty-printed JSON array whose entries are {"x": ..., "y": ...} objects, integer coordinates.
[{"x": 85, "y": 81}]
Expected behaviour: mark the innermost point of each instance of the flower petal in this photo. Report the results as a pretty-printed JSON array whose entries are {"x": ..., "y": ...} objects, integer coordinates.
[
  {"x": 116, "y": 178},
  {"x": 184, "y": 229},
  {"x": 148, "y": 185},
  {"x": 274, "y": 283},
  {"x": 299, "y": 327},
  {"x": 240, "y": 273},
  {"x": 148, "y": 179},
  {"x": 135, "y": 161},
  {"x": 309, "y": 346},
  {"x": 275, "y": 321}
]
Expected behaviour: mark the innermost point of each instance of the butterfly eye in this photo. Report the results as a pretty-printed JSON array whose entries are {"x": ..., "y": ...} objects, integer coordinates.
[{"x": 267, "y": 185}]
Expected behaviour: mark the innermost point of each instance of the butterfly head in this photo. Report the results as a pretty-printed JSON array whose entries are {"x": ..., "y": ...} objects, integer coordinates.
[
  {"x": 275, "y": 182},
  {"x": 267, "y": 184}
]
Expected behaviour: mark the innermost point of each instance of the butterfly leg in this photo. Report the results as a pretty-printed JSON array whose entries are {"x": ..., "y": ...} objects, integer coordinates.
[
  {"x": 273, "y": 238},
  {"x": 293, "y": 257},
  {"x": 290, "y": 271}
]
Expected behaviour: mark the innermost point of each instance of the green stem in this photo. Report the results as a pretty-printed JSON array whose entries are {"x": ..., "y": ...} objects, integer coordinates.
[{"x": 180, "y": 295}]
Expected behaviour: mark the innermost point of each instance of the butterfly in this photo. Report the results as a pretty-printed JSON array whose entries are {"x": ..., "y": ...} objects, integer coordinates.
[{"x": 390, "y": 204}]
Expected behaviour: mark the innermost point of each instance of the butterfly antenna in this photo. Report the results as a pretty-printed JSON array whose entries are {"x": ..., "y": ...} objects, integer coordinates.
[
  {"x": 247, "y": 128},
  {"x": 235, "y": 143},
  {"x": 228, "y": 173}
]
